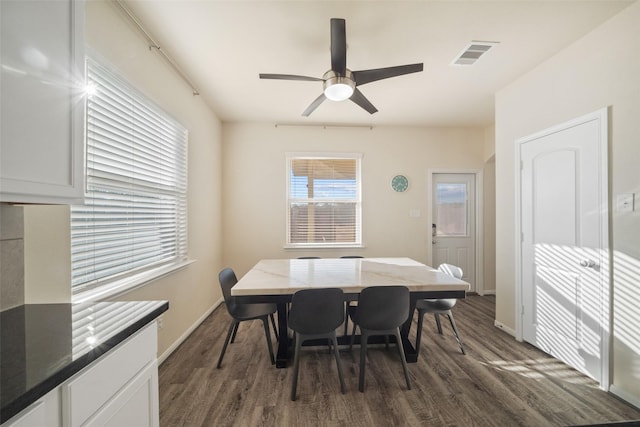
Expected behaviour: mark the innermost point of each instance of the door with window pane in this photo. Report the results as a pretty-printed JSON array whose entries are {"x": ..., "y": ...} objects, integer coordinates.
[{"x": 453, "y": 216}]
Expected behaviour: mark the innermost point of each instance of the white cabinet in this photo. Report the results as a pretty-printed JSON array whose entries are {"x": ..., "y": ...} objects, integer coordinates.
[
  {"x": 135, "y": 405},
  {"x": 44, "y": 412},
  {"x": 119, "y": 389},
  {"x": 42, "y": 101}
]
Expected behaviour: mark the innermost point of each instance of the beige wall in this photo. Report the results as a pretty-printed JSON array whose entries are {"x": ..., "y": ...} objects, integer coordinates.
[
  {"x": 489, "y": 213},
  {"x": 599, "y": 70},
  {"x": 489, "y": 217},
  {"x": 254, "y": 183},
  {"x": 47, "y": 254},
  {"x": 192, "y": 291},
  {"x": 489, "y": 143}
]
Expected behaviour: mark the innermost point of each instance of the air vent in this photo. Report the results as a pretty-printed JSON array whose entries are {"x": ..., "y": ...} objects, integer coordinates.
[{"x": 473, "y": 52}]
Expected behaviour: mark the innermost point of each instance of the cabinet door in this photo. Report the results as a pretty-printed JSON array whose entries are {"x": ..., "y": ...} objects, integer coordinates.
[
  {"x": 123, "y": 384},
  {"x": 43, "y": 413},
  {"x": 135, "y": 405},
  {"x": 42, "y": 101}
]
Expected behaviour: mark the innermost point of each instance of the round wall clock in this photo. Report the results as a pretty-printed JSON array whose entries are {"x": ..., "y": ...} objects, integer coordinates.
[{"x": 400, "y": 183}]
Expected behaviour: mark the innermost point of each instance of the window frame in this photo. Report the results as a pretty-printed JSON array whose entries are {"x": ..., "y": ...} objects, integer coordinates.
[
  {"x": 289, "y": 157},
  {"x": 131, "y": 278}
]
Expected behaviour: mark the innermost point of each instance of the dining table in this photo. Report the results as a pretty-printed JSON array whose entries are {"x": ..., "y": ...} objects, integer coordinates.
[{"x": 276, "y": 280}]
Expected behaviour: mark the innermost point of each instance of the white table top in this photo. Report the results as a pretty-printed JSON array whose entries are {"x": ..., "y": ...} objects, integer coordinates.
[{"x": 286, "y": 276}]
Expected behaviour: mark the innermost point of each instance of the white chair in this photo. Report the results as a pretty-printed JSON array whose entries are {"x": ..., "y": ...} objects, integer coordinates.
[{"x": 439, "y": 306}]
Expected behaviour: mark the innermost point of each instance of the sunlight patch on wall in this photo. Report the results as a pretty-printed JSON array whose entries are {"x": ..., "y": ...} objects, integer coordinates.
[{"x": 625, "y": 302}]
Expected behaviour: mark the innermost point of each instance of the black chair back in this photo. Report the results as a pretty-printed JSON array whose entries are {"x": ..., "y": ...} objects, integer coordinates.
[
  {"x": 316, "y": 311},
  {"x": 383, "y": 307},
  {"x": 242, "y": 312},
  {"x": 227, "y": 279}
]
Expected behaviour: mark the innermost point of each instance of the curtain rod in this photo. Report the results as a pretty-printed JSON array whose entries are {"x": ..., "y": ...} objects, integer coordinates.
[
  {"x": 324, "y": 125},
  {"x": 154, "y": 45}
]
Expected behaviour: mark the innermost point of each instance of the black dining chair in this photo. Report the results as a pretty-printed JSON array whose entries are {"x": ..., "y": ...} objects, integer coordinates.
[
  {"x": 242, "y": 312},
  {"x": 440, "y": 307},
  {"x": 381, "y": 310},
  {"x": 315, "y": 314}
]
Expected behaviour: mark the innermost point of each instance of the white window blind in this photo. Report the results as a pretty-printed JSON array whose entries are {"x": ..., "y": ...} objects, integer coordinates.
[
  {"x": 323, "y": 201},
  {"x": 134, "y": 218}
]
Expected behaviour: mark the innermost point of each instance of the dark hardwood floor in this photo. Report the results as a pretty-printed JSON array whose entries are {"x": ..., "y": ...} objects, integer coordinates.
[{"x": 500, "y": 382}]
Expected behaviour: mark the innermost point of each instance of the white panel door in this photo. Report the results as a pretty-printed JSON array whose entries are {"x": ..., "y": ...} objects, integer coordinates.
[
  {"x": 454, "y": 233},
  {"x": 564, "y": 257}
]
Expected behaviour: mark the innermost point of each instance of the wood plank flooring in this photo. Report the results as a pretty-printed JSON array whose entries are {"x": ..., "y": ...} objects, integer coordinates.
[{"x": 500, "y": 382}]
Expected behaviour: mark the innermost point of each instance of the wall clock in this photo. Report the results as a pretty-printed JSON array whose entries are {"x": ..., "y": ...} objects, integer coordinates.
[{"x": 400, "y": 183}]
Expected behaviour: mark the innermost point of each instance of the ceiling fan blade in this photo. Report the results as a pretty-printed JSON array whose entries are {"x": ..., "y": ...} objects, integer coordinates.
[
  {"x": 315, "y": 104},
  {"x": 363, "y": 102},
  {"x": 289, "y": 77},
  {"x": 368, "y": 76},
  {"x": 338, "y": 46}
]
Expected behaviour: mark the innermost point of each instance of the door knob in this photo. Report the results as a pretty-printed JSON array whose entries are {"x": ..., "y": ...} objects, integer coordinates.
[
  {"x": 588, "y": 263},
  {"x": 433, "y": 242}
]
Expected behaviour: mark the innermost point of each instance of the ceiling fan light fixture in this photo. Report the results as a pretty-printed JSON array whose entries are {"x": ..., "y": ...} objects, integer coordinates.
[{"x": 338, "y": 88}]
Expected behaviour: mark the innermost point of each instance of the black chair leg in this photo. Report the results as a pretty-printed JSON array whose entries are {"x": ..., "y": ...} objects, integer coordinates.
[
  {"x": 296, "y": 365},
  {"x": 437, "y": 316},
  {"x": 235, "y": 331},
  {"x": 233, "y": 326},
  {"x": 363, "y": 358},
  {"x": 337, "y": 356},
  {"x": 402, "y": 358},
  {"x": 455, "y": 331},
  {"x": 346, "y": 318},
  {"x": 267, "y": 333}
]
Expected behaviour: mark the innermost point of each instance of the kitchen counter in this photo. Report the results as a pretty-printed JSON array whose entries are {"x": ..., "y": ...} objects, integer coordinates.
[{"x": 43, "y": 345}]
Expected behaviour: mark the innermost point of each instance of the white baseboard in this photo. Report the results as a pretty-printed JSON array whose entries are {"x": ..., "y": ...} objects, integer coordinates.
[
  {"x": 188, "y": 332},
  {"x": 504, "y": 328},
  {"x": 624, "y": 395},
  {"x": 489, "y": 292}
]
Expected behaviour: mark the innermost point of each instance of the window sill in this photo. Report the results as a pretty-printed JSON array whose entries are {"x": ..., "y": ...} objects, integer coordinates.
[{"x": 120, "y": 287}]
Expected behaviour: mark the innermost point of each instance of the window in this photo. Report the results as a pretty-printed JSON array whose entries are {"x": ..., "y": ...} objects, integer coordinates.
[
  {"x": 133, "y": 223},
  {"x": 451, "y": 209},
  {"x": 323, "y": 201}
]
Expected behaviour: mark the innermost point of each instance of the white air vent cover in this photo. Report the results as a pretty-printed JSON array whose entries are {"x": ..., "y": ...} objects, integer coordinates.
[{"x": 473, "y": 52}]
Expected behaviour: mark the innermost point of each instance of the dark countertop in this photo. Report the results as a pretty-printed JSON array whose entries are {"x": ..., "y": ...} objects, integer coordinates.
[{"x": 43, "y": 345}]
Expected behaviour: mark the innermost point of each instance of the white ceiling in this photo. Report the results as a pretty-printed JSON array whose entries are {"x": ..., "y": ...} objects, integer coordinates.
[{"x": 223, "y": 45}]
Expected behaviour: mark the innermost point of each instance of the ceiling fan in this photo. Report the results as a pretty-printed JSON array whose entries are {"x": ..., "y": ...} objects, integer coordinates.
[{"x": 340, "y": 83}]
